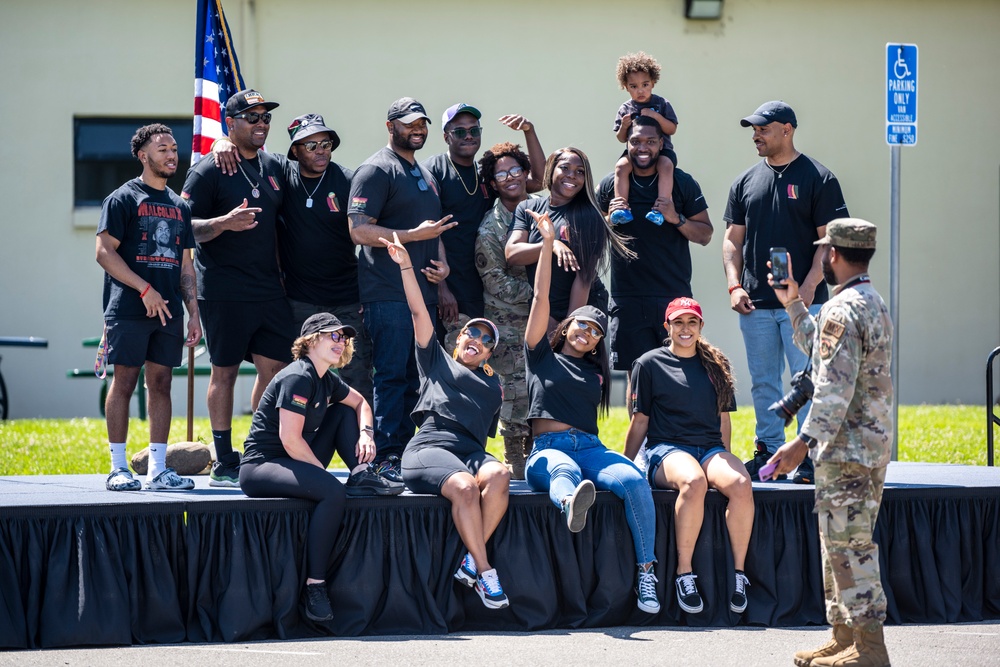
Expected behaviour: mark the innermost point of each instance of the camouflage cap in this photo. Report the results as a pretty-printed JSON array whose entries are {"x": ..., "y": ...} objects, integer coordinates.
[{"x": 849, "y": 233}]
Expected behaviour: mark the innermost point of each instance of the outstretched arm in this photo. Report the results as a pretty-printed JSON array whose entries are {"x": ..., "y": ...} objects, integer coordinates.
[
  {"x": 423, "y": 328},
  {"x": 536, "y": 156},
  {"x": 538, "y": 318}
]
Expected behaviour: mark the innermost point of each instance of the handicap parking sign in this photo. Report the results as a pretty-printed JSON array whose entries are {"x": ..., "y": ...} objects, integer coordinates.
[{"x": 901, "y": 93}]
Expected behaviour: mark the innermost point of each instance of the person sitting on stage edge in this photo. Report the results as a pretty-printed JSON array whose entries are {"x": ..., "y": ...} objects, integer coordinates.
[
  {"x": 568, "y": 381},
  {"x": 305, "y": 414},
  {"x": 682, "y": 394},
  {"x": 457, "y": 410}
]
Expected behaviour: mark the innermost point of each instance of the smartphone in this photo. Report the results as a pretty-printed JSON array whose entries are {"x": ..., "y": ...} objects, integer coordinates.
[
  {"x": 766, "y": 471},
  {"x": 779, "y": 266}
]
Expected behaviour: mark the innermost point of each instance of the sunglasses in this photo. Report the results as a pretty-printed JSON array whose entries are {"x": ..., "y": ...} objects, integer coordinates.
[
  {"x": 313, "y": 145},
  {"x": 253, "y": 117},
  {"x": 338, "y": 337},
  {"x": 461, "y": 132},
  {"x": 502, "y": 176},
  {"x": 594, "y": 332},
  {"x": 487, "y": 338},
  {"x": 421, "y": 183}
]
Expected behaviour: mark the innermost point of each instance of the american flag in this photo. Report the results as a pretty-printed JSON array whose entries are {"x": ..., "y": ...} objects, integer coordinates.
[{"x": 216, "y": 76}]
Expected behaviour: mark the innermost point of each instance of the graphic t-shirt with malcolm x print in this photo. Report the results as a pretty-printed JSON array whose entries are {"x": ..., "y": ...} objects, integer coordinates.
[{"x": 153, "y": 228}]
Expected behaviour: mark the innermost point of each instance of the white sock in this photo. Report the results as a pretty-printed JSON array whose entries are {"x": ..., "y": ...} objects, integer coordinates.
[
  {"x": 118, "y": 459},
  {"x": 157, "y": 459}
]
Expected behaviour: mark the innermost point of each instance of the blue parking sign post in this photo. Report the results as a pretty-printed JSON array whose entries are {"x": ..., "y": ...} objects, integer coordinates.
[
  {"x": 901, "y": 94},
  {"x": 900, "y": 130}
]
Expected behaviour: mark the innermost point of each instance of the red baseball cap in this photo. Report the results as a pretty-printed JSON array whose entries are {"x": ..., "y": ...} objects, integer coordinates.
[{"x": 683, "y": 306}]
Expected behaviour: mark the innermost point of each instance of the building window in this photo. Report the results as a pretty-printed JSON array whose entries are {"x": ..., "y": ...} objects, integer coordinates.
[{"x": 102, "y": 155}]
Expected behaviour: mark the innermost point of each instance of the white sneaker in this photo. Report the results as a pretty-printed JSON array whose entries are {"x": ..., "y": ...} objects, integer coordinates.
[
  {"x": 575, "y": 506},
  {"x": 168, "y": 480}
]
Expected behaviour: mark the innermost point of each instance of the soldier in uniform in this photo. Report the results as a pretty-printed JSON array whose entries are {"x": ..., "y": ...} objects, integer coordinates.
[
  {"x": 848, "y": 435},
  {"x": 507, "y": 295}
]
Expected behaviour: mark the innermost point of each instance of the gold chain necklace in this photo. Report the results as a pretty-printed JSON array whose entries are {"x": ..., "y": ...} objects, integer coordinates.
[{"x": 475, "y": 185}]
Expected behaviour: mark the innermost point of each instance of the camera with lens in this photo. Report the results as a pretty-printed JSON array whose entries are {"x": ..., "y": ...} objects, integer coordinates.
[{"x": 801, "y": 393}]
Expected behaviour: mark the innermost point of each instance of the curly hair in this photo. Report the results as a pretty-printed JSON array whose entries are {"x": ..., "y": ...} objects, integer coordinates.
[
  {"x": 145, "y": 133},
  {"x": 488, "y": 163},
  {"x": 300, "y": 348},
  {"x": 631, "y": 63},
  {"x": 558, "y": 339}
]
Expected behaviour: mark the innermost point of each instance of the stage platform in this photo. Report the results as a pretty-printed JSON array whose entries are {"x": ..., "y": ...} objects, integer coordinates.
[{"x": 80, "y": 565}]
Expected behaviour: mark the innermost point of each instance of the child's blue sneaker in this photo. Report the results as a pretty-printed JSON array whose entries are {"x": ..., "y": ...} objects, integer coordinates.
[
  {"x": 621, "y": 216},
  {"x": 655, "y": 217}
]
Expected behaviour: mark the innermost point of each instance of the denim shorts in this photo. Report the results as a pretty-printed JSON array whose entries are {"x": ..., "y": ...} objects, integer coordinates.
[{"x": 657, "y": 453}]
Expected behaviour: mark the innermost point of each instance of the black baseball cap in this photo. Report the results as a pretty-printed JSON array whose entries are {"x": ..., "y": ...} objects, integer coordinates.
[
  {"x": 591, "y": 314},
  {"x": 406, "y": 110},
  {"x": 771, "y": 112},
  {"x": 246, "y": 99},
  {"x": 326, "y": 323}
]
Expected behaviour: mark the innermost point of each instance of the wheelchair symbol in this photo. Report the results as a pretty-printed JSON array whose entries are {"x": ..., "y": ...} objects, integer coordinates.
[{"x": 901, "y": 69}]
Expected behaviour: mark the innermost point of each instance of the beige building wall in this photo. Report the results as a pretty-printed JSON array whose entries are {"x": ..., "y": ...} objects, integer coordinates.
[{"x": 554, "y": 62}]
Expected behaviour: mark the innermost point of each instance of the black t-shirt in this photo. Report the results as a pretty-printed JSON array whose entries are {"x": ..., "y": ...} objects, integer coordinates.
[
  {"x": 299, "y": 389},
  {"x": 663, "y": 265},
  {"x": 317, "y": 254},
  {"x": 562, "y": 281},
  {"x": 238, "y": 266},
  {"x": 452, "y": 391},
  {"x": 782, "y": 212},
  {"x": 468, "y": 210},
  {"x": 563, "y": 388},
  {"x": 385, "y": 188},
  {"x": 153, "y": 228},
  {"x": 679, "y": 399}
]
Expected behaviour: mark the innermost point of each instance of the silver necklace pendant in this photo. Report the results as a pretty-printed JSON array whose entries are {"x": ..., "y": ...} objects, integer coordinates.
[
  {"x": 255, "y": 192},
  {"x": 309, "y": 202},
  {"x": 781, "y": 174}
]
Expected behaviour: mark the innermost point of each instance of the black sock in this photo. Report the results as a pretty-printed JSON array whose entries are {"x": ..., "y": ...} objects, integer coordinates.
[{"x": 223, "y": 442}]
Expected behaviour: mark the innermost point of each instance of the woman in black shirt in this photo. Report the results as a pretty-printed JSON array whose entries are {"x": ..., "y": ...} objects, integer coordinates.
[
  {"x": 457, "y": 410},
  {"x": 682, "y": 395},
  {"x": 568, "y": 380}
]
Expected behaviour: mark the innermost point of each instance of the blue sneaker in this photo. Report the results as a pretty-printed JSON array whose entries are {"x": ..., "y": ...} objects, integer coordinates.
[
  {"x": 466, "y": 573},
  {"x": 655, "y": 217},
  {"x": 621, "y": 216},
  {"x": 489, "y": 589}
]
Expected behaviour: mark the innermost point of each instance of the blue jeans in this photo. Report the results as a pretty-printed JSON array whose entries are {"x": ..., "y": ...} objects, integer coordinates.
[
  {"x": 767, "y": 336},
  {"x": 560, "y": 461},
  {"x": 396, "y": 380}
]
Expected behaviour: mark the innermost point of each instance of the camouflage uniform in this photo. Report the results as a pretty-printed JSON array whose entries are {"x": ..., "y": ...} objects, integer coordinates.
[
  {"x": 507, "y": 294},
  {"x": 851, "y": 423}
]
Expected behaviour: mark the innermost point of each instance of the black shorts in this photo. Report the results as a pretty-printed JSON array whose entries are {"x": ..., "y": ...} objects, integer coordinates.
[
  {"x": 237, "y": 330},
  {"x": 134, "y": 342},
  {"x": 635, "y": 326},
  {"x": 436, "y": 453}
]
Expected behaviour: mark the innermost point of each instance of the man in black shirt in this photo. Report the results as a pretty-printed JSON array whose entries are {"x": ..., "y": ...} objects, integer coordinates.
[
  {"x": 466, "y": 197},
  {"x": 390, "y": 193},
  {"x": 243, "y": 305}
]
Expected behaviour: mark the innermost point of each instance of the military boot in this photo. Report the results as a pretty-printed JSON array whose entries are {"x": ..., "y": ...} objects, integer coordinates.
[
  {"x": 868, "y": 650},
  {"x": 842, "y": 639},
  {"x": 513, "y": 454}
]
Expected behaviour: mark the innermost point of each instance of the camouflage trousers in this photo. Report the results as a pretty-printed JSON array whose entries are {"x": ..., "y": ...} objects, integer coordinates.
[{"x": 848, "y": 497}]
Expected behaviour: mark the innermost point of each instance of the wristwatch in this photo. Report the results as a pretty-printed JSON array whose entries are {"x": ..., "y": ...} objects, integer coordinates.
[
  {"x": 809, "y": 440},
  {"x": 683, "y": 220}
]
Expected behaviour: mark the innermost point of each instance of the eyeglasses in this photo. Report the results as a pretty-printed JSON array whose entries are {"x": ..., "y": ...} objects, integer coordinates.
[
  {"x": 312, "y": 145},
  {"x": 338, "y": 337},
  {"x": 253, "y": 117},
  {"x": 594, "y": 332},
  {"x": 421, "y": 183},
  {"x": 486, "y": 338},
  {"x": 502, "y": 176},
  {"x": 461, "y": 132}
]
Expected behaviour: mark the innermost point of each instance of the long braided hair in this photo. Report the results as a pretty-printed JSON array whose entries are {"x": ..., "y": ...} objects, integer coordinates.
[{"x": 720, "y": 372}]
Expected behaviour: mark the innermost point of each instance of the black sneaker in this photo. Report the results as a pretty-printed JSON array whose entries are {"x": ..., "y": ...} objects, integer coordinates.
[
  {"x": 738, "y": 603},
  {"x": 318, "y": 603},
  {"x": 805, "y": 473},
  {"x": 759, "y": 460},
  {"x": 688, "y": 596},
  {"x": 226, "y": 471},
  {"x": 646, "y": 591},
  {"x": 391, "y": 468},
  {"x": 369, "y": 483}
]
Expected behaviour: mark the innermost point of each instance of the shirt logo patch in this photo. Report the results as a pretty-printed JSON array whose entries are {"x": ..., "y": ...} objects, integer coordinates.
[
  {"x": 359, "y": 204},
  {"x": 274, "y": 183},
  {"x": 331, "y": 201},
  {"x": 299, "y": 401},
  {"x": 793, "y": 191}
]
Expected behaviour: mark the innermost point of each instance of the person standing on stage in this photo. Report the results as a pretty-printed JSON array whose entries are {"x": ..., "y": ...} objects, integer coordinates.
[
  {"x": 848, "y": 434},
  {"x": 243, "y": 305},
  {"x": 392, "y": 192},
  {"x": 785, "y": 200},
  {"x": 143, "y": 244}
]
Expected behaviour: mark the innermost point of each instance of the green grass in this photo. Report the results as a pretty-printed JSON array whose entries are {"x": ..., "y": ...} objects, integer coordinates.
[{"x": 931, "y": 433}]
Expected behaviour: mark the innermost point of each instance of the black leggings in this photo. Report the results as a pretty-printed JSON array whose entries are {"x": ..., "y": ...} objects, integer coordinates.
[{"x": 286, "y": 477}]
